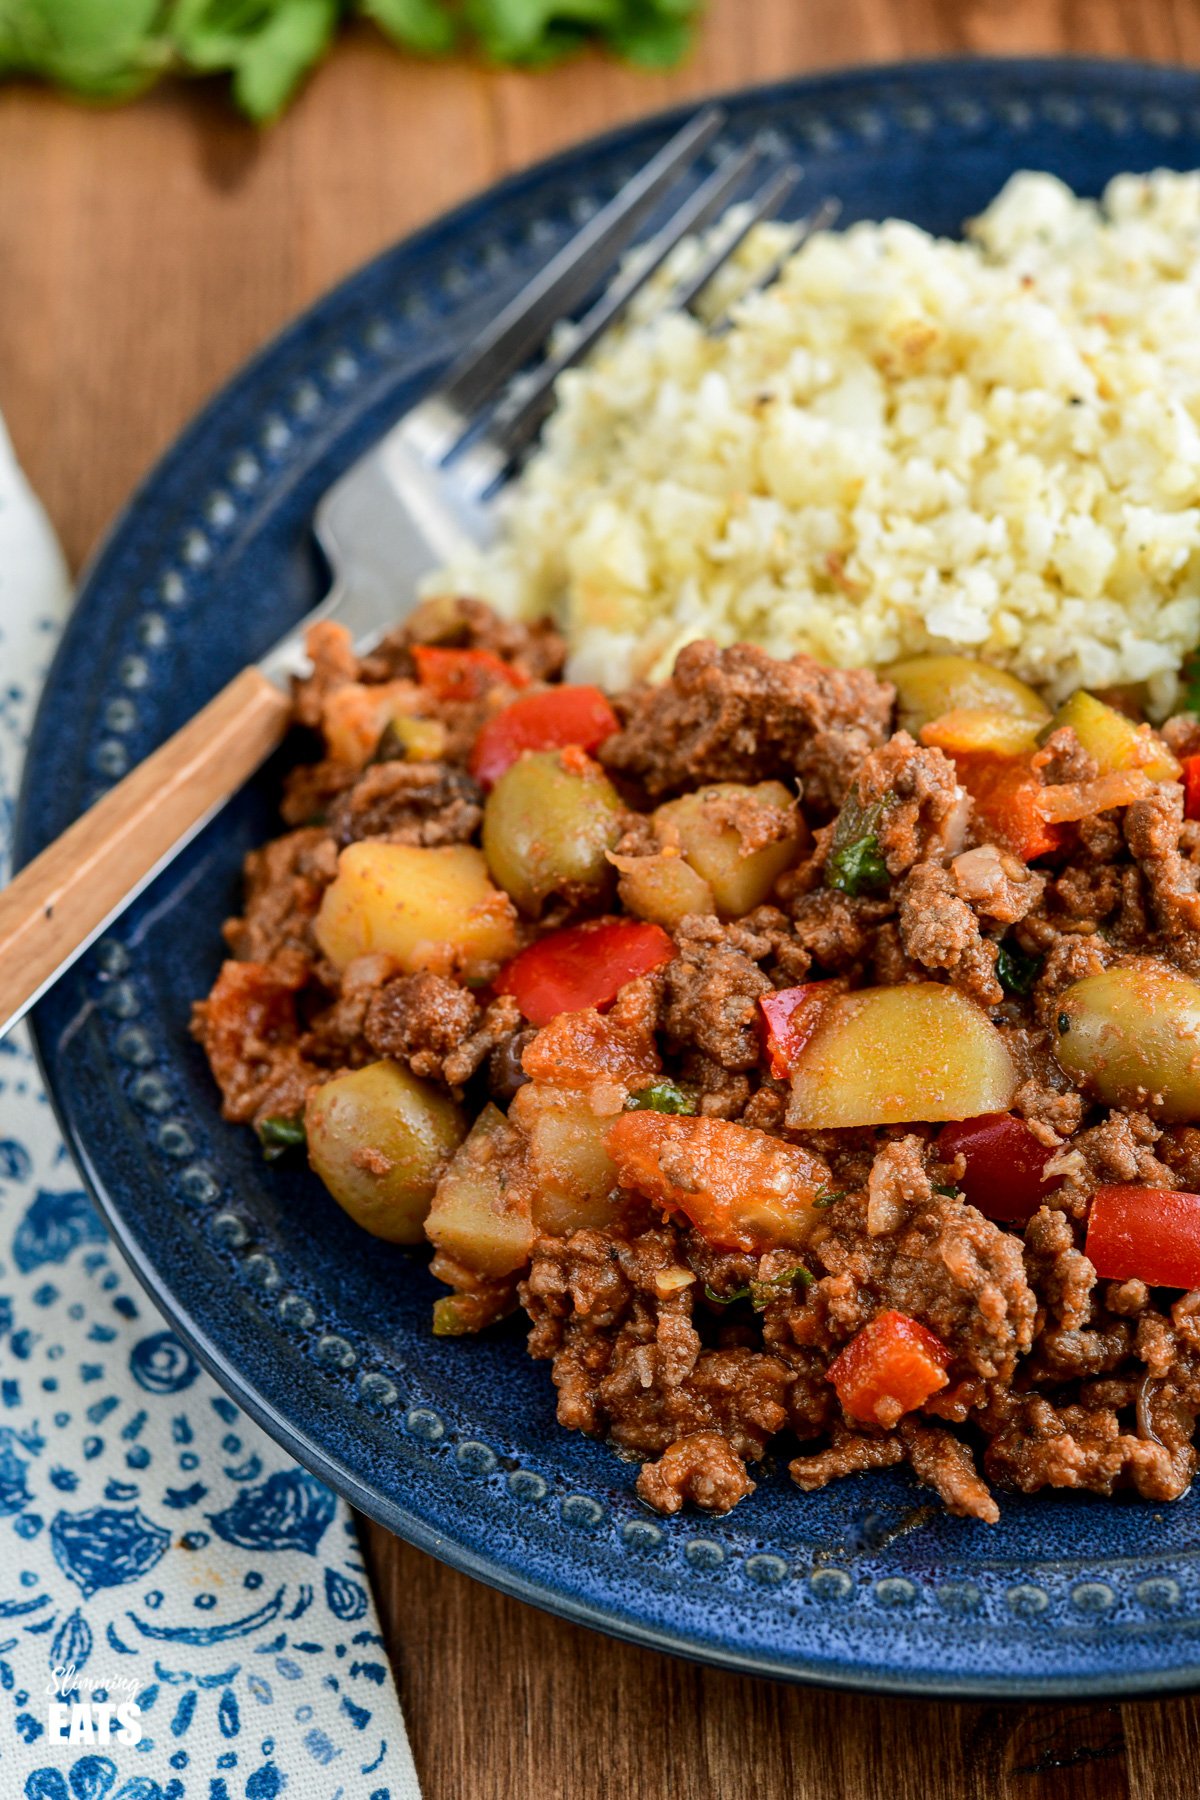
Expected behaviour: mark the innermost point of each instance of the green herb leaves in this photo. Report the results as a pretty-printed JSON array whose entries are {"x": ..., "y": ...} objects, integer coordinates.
[
  {"x": 663, "y": 1097},
  {"x": 761, "y": 1293},
  {"x": 279, "y": 1134},
  {"x": 856, "y": 864},
  {"x": 1015, "y": 971},
  {"x": 111, "y": 49},
  {"x": 103, "y": 49}
]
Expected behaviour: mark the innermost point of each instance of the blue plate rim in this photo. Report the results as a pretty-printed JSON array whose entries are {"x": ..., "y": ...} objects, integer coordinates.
[{"x": 26, "y": 841}]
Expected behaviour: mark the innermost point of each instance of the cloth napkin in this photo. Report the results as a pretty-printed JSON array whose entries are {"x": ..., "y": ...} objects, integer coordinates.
[{"x": 155, "y": 1547}]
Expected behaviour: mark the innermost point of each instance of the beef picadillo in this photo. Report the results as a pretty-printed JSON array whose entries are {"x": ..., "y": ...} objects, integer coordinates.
[{"x": 813, "y": 1055}]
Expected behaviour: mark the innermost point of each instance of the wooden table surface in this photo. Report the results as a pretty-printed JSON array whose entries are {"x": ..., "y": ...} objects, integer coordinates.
[{"x": 143, "y": 254}]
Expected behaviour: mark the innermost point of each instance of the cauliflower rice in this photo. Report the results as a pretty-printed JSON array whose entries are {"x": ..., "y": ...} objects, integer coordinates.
[{"x": 906, "y": 444}]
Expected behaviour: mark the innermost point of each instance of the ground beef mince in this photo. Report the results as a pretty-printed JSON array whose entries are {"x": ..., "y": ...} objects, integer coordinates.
[
  {"x": 741, "y": 715},
  {"x": 719, "y": 1255}
]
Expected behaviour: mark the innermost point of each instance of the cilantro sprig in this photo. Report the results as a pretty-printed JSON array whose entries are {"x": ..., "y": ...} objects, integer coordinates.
[{"x": 109, "y": 50}]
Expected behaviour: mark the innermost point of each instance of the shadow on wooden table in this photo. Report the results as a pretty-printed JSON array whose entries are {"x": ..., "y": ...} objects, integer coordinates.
[{"x": 597, "y": 1719}]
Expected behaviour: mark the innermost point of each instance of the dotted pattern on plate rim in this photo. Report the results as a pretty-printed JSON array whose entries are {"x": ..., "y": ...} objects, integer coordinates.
[{"x": 1058, "y": 1597}]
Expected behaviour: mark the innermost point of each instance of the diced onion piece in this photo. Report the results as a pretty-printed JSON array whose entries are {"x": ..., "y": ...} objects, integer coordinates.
[
  {"x": 898, "y": 1055},
  {"x": 890, "y": 1368},
  {"x": 741, "y": 1188},
  {"x": 428, "y": 908},
  {"x": 1114, "y": 741},
  {"x": 1081, "y": 799},
  {"x": 1145, "y": 1234}
]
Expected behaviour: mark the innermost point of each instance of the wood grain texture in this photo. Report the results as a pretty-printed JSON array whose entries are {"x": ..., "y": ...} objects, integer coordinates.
[
  {"x": 61, "y": 899},
  {"x": 144, "y": 254}
]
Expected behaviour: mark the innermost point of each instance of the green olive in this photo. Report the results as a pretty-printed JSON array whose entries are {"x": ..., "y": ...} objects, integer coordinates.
[
  {"x": 547, "y": 825},
  {"x": 379, "y": 1139},
  {"x": 927, "y": 687},
  {"x": 1131, "y": 1036}
]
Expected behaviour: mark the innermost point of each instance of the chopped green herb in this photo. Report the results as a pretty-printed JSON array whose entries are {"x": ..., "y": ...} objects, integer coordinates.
[
  {"x": 663, "y": 1097},
  {"x": 856, "y": 864},
  {"x": 829, "y": 1197},
  {"x": 761, "y": 1293},
  {"x": 1064, "y": 1024},
  {"x": 947, "y": 1193},
  {"x": 710, "y": 1293},
  {"x": 1015, "y": 971},
  {"x": 279, "y": 1134}
]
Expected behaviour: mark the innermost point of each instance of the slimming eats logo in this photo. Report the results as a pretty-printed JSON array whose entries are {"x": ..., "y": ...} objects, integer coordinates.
[{"x": 78, "y": 1717}]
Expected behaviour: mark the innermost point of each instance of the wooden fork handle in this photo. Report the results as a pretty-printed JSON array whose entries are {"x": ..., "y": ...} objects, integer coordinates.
[{"x": 53, "y": 908}]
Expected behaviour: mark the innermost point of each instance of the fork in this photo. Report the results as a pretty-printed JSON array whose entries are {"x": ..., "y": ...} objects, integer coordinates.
[{"x": 408, "y": 506}]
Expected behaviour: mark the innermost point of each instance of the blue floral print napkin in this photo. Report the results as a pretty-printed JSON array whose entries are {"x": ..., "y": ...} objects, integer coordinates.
[{"x": 184, "y": 1613}]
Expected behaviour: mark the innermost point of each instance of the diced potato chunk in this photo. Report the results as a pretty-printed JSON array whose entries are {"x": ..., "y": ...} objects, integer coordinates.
[
  {"x": 480, "y": 1214},
  {"x": 981, "y": 731},
  {"x": 898, "y": 1055},
  {"x": 928, "y": 686},
  {"x": 427, "y": 908},
  {"x": 574, "y": 1179},
  {"x": 1113, "y": 740},
  {"x": 738, "y": 839},
  {"x": 741, "y": 1188},
  {"x": 1131, "y": 1036},
  {"x": 663, "y": 888},
  {"x": 379, "y": 1139},
  {"x": 548, "y": 824}
]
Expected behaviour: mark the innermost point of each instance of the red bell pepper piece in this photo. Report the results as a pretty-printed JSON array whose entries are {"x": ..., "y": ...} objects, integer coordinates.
[
  {"x": 790, "y": 1018},
  {"x": 1004, "y": 1175},
  {"x": 1005, "y": 790},
  {"x": 892, "y": 1366},
  {"x": 585, "y": 965},
  {"x": 552, "y": 720},
  {"x": 462, "y": 674},
  {"x": 1152, "y": 1234},
  {"x": 1191, "y": 787}
]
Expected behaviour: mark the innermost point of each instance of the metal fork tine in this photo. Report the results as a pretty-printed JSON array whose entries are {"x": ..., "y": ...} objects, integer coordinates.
[
  {"x": 517, "y": 417},
  {"x": 773, "y": 192},
  {"x": 437, "y": 423},
  {"x": 802, "y": 230}
]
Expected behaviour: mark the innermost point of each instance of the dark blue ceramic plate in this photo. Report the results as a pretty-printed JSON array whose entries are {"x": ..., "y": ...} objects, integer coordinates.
[{"x": 321, "y": 1333}]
